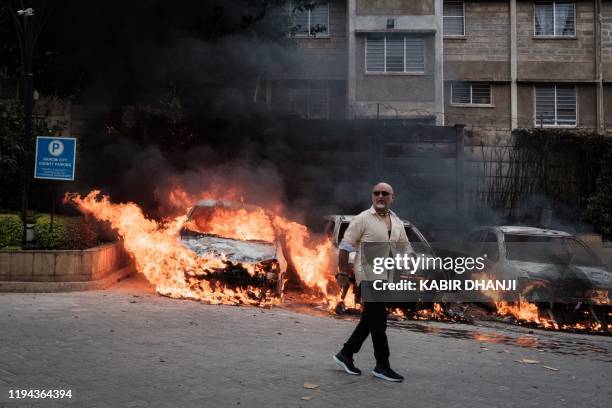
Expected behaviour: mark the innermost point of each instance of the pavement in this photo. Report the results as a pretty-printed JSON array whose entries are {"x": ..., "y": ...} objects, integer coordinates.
[{"x": 128, "y": 347}]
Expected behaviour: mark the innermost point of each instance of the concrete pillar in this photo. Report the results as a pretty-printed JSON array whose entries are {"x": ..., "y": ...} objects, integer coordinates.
[
  {"x": 598, "y": 67},
  {"x": 439, "y": 69},
  {"x": 513, "y": 67},
  {"x": 459, "y": 168},
  {"x": 351, "y": 10}
]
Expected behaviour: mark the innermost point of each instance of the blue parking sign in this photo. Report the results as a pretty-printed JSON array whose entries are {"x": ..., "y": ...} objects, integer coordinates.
[{"x": 55, "y": 158}]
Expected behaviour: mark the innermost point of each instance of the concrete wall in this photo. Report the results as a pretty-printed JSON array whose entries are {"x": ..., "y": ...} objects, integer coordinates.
[
  {"x": 63, "y": 266},
  {"x": 323, "y": 57},
  {"x": 395, "y": 7},
  {"x": 399, "y": 95},
  {"x": 394, "y": 95},
  {"x": 497, "y": 115},
  {"x": 606, "y": 36},
  {"x": 607, "y": 101},
  {"x": 484, "y": 52},
  {"x": 564, "y": 59},
  {"x": 392, "y": 86}
]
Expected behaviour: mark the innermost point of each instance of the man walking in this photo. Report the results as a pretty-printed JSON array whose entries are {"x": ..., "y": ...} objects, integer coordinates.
[{"x": 377, "y": 224}]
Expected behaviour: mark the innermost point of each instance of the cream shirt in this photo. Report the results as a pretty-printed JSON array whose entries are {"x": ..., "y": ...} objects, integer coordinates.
[{"x": 368, "y": 226}]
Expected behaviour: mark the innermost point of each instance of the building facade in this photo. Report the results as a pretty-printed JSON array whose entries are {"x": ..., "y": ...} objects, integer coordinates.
[{"x": 486, "y": 64}]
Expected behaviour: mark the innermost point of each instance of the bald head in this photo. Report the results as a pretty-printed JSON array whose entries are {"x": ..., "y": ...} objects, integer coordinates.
[
  {"x": 382, "y": 197},
  {"x": 382, "y": 186}
]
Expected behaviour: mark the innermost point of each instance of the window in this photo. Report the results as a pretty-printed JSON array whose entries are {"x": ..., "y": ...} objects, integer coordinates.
[
  {"x": 555, "y": 105},
  {"x": 310, "y": 19},
  {"x": 343, "y": 227},
  {"x": 454, "y": 18},
  {"x": 555, "y": 19},
  {"x": 309, "y": 99},
  {"x": 581, "y": 255},
  {"x": 490, "y": 247},
  {"x": 470, "y": 93},
  {"x": 394, "y": 53},
  {"x": 473, "y": 242},
  {"x": 416, "y": 242}
]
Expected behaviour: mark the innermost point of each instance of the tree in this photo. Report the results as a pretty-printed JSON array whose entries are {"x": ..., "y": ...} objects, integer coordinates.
[{"x": 599, "y": 208}]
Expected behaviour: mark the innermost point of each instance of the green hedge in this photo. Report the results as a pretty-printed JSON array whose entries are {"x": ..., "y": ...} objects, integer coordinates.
[
  {"x": 11, "y": 230},
  {"x": 67, "y": 233}
]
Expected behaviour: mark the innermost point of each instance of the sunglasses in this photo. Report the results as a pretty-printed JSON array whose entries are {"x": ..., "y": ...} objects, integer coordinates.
[{"x": 380, "y": 193}]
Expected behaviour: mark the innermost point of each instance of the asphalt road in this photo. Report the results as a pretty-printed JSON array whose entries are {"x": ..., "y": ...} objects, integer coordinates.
[{"x": 127, "y": 347}]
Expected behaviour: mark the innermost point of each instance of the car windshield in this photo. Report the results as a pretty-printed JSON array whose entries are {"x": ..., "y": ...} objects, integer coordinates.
[
  {"x": 548, "y": 250},
  {"x": 245, "y": 224},
  {"x": 343, "y": 227},
  {"x": 417, "y": 243}
]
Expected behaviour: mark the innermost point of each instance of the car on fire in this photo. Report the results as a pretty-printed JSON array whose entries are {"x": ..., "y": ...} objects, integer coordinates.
[
  {"x": 554, "y": 269},
  {"x": 255, "y": 261}
]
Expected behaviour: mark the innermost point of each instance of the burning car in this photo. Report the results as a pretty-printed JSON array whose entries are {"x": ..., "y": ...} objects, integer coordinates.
[
  {"x": 244, "y": 238},
  {"x": 554, "y": 270}
]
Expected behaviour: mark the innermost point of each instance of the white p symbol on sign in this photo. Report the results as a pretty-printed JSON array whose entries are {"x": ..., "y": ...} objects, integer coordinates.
[{"x": 56, "y": 148}]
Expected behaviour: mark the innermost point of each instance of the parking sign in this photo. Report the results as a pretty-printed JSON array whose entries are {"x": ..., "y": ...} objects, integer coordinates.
[{"x": 55, "y": 158}]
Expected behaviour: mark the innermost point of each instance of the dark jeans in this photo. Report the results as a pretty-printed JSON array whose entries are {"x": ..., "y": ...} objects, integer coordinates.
[{"x": 373, "y": 321}]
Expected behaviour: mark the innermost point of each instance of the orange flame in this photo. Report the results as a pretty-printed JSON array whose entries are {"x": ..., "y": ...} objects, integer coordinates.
[
  {"x": 236, "y": 223},
  {"x": 176, "y": 271},
  {"x": 312, "y": 260}
]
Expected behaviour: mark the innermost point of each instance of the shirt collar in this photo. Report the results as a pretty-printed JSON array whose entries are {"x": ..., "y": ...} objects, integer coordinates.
[{"x": 373, "y": 211}]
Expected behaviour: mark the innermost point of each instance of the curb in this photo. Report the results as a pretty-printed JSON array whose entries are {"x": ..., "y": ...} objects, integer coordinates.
[{"x": 38, "y": 287}]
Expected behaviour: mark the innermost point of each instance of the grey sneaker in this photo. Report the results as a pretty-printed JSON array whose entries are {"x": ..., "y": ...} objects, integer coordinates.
[{"x": 347, "y": 364}]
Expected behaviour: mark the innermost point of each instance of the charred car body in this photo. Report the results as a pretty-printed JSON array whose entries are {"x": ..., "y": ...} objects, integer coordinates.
[
  {"x": 554, "y": 269},
  {"x": 250, "y": 261}
]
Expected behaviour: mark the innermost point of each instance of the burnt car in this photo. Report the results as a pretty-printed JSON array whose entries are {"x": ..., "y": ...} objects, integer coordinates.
[
  {"x": 335, "y": 227},
  {"x": 244, "y": 237},
  {"x": 554, "y": 269}
]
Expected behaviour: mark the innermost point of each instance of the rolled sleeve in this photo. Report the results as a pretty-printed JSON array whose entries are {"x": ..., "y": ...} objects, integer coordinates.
[
  {"x": 346, "y": 246},
  {"x": 353, "y": 233}
]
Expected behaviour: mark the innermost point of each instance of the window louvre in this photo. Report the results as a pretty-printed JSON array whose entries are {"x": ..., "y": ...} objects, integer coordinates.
[
  {"x": 300, "y": 22},
  {"x": 309, "y": 99},
  {"x": 555, "y": 105},
  {"x": 555, "y": 19},
  {"x": 310, "y": 19},
  {"x": 453, "y": 18},
  {"x": 471, "y": 93},
  {"x": 375, "y": 51},
  {"x": 415, "y": 54},
  {"x": 565, "y": 19},
  {"x": 319, "y": 17},
  {"x": 394, "y": 53},
  {"x": 566, "y": 106}
]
